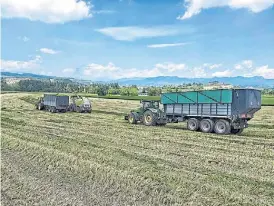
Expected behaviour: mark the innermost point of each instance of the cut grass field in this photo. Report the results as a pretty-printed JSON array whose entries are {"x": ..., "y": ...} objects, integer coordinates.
[{"x": 99, "y": 159}]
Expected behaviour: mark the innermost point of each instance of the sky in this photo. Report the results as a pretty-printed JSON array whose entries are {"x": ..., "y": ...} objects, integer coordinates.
[{"x": 114, "y": 39}]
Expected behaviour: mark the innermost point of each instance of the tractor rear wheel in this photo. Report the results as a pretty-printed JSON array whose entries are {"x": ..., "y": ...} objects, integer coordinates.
[
  {"x": 237, "y": 131},
  {"x": 193, "y": 124},
  {"x": 222, "y": 127},
  {"x": 149, "y": 118},
  {"x": 207, "y": 125},
  {"x": 132, "y": 118}
]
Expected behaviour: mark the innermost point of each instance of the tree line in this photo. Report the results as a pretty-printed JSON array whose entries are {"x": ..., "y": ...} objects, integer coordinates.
[
  {"x": 68, "y": 86},
  {"x": 101, "y": 89}
]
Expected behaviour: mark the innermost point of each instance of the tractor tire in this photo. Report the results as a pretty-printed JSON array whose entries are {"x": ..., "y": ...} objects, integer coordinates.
[
  {"x": 132, "y": 118},
  {"x": 149, "y": 118},
  {"x": 193, "y": 124},
  {"x": 40, "y": 107},
  {"x": 237, "y": 131},
  {"x": 206, "y": 125},
  {"x": 222, "y": 127}
]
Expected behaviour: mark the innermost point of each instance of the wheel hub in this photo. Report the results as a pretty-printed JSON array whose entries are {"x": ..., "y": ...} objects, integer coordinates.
[
  {"x": 221, "y": 127},
  {"x": 148, "y": 118}
]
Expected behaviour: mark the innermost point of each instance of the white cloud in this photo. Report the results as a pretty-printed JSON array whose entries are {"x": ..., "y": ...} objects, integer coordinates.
[
  {"x": 132, "y": 33},
  {"x": 111, "y": 71},
  {"x": 214, "y": 66},
  {"x": 48, "y": 51},
  {"x": 238, "y": 66},
  {"x": 11, "y": 65},
  {"x": 68, "y": 70},
  {"x": 198, "y": 72},
  {"x": 264, "y": 71},
  {"x": 49, "y": 11},
  {"x": 23, "y": 38},
  {"x": 226, "y": 73},
  {"x": 245, "y": 64},
  {"x": 166, "y": 45},
  {"x": 194, "y": 7},
  {"x": 171, "y": 67}
]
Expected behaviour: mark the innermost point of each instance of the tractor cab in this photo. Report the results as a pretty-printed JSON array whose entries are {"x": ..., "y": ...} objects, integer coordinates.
[{"x": 145, "y": 104}]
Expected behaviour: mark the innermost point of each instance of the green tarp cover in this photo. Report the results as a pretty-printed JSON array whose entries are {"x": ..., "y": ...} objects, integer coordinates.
[{"x": 222, "y": 96}]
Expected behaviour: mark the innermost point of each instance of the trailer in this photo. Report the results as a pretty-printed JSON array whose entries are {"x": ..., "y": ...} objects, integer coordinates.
[
  {"x": 222, "y": 111},
  {"x": 53, "y": 103}
]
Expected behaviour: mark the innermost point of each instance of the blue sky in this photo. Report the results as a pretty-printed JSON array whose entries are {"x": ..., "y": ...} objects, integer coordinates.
[{"x": 103, "y": 39}]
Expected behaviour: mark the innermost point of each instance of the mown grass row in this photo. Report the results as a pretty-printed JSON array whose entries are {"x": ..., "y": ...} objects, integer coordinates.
[{"x": 99, "y": 159}]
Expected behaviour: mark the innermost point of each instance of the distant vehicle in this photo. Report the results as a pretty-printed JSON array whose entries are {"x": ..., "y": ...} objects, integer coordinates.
[
  {"x": 63, "y": 103},
  {"x": 221, "y": 111},
  {"x": 53, "y": 103},
  {"x": 79, "y": 104}
]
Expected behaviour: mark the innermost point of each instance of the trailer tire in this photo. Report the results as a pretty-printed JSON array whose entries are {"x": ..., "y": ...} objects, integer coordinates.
[
  {"x": 193, "y": 124},
  {"x": 206, "y": 125},
  {"x": 222, "y": 127},
  {"x": 132, "y": 118},
  {"x": 149, "y": 118},
  {"x": 237, "y": 131}
]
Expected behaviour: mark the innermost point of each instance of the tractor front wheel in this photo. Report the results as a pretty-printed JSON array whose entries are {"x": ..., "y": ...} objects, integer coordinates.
[
  {"x": 149, "y": 118},
  {"x": 132, "y": 118},
  {"x": 40, "y": 106}
]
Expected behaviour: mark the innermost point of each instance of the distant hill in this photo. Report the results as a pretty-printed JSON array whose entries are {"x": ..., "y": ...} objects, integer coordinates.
[
  {"x": 25, "y": 75},
  {"x": 256, "y": 81}
]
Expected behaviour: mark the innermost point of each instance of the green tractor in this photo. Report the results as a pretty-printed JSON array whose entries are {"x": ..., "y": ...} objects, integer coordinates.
[{"x": 149, "y": 114}]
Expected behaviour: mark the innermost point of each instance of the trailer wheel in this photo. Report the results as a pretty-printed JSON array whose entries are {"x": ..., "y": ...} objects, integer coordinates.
[
  {"x": 132, "y": 118},
  {"x": 207, "y": 125},
  {"x": 222, "y": 127},
  {"x": 237, "y": 131},
  {"x": 149, "y": 118},
  {"x": 193, "y": 124}
]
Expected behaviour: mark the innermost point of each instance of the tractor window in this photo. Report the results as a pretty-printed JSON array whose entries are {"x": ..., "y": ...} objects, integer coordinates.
[
  {"x": 156, "y": 104},
  {"x": 146, "y": 104}
]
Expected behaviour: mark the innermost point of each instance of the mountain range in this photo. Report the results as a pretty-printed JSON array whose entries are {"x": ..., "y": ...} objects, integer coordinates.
[{"x": 256, "y": 81}]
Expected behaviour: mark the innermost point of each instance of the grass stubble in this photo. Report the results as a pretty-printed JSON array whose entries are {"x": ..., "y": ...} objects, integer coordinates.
[{"x": 99, "y": 159}]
